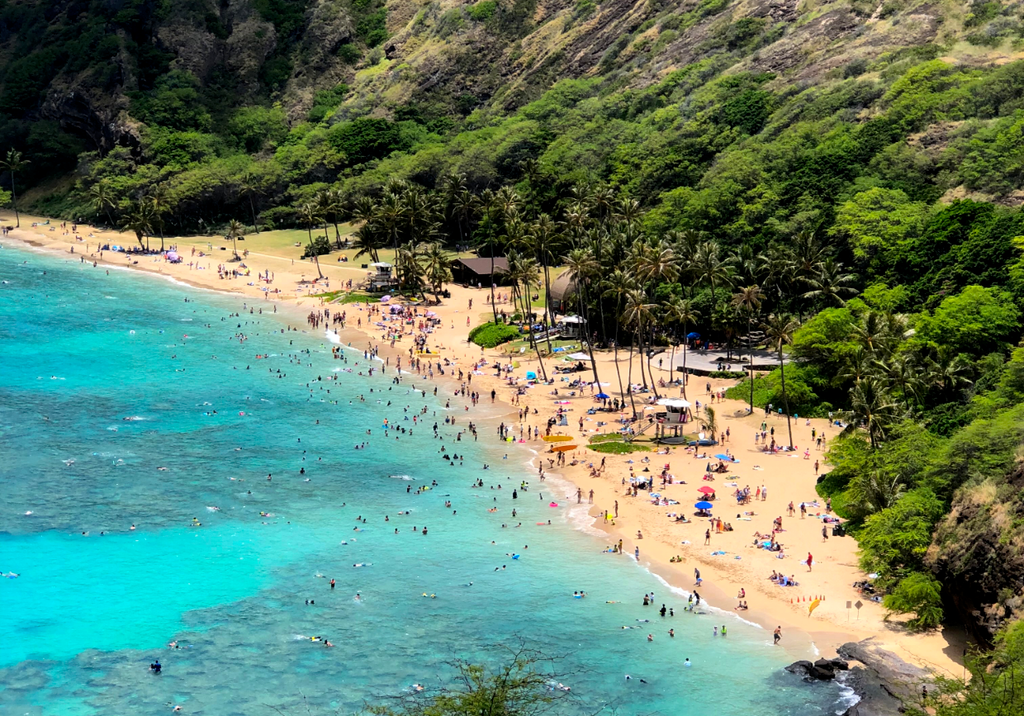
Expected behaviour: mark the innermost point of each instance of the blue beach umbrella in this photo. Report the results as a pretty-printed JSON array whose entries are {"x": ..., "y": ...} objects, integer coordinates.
[
  {"x": 721, "y": 456},
  {"x": 703, "y": 505},
  {"x": 603, "y": 396},
  {"x": 693, "y": 335}
]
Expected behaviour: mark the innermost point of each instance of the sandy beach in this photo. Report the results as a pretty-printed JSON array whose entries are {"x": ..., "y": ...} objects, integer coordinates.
[{"x": 729, "y": 564}]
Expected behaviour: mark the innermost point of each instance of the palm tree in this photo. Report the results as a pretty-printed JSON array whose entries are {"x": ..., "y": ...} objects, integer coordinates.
[
  {"x": 544, "y": 235},
  {"x": 309, "y": 215},
  {"x": 236, "y": 230},
  {"x": 161, "y": 203},
  {"x": 581, "y": 265},
  {"x": 14, "y": 163},
  {"x": 637, "y": 313},
  {"x": 102, "y": 199},
  {"x": 830, "y": 284},
  {"x": 779, "y": 330},
  {"x": 618, "y": 285},
  {"x": 330, "y": 202},
  {"x": 749, "y": 300},
  {"x": 139, "y": 219},
  {"x": 408, "y": 268},
  {"x": 682, "y": 311},
  {"x": 437, "y": 268},
  {"x": 711, "y": 267},
  {"x": 249, "y": 185},
  {"x": 872, "y": 407}
]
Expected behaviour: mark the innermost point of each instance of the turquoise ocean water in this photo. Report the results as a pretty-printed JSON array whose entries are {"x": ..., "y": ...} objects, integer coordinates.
[{"x": 95, "y": 602}]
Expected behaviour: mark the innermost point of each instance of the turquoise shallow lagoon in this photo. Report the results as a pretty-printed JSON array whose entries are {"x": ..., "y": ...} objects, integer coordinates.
[{"x": 95, "y": 602}]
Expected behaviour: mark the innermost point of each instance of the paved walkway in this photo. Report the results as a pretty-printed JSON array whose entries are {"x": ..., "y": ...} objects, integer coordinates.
[{"x": 709, "y": 361}]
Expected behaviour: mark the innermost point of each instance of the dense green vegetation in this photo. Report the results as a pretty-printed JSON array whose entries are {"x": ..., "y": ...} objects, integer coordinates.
[{"x": 489, "y": 335}]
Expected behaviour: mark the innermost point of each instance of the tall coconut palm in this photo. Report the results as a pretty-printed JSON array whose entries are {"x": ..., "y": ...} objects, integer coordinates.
[
  {"x": 236, "y": 230},
  {"x": 829, "y": 284},
  {"x": 545, "y": 238},
  {"x": 330, "y": 204},
  {"x": 748, "y": 300},
  {"x": 617, "y": 285},
  {"x": 872, "y": 407},
  {"x": 710, "y": 267},
  {"x": 636, "y": 314},
  {"x": 581, "y": 266},
  {"x": 162, "y": 203},
  {"x": 436, "y": 267},
  {"x": 779, "y": 330},
  {"x": 14, "y": 163},
  {"x": 249, "y": 186},
  {"x": 139, "y": 220},
  {"x": 102, "y": 199},
  {"x": 310, "y": 216},
  {"x": 682, "y": 311}
]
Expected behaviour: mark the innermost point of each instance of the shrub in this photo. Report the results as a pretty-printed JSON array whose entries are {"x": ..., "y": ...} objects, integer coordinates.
[
  {"x": 917, "y": 594},
  {"x": 489, "y": 335},
  {"x": 482, "y": 10}
]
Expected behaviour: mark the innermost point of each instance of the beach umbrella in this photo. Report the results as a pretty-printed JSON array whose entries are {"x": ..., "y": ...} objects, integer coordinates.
[
  {"x": 703, "y": 505},
  {"x": 693, "y": 335},
  {"x": 385, "y": 299},
  {"x": 706, "y": 490},
  {"x": 557, "y": 438},
  {"x": 563, "y": 448},
  {"x": 722, "y": 456},
  {"x": 603, "y": 396}
]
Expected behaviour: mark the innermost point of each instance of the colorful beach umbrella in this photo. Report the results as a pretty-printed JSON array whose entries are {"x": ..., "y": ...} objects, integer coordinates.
[
  {"x": 563, "y": 448},
  {"x": 557, "y": 438},
  {"x": 703, "y": 505},
  {"x": 706, "y": 490}
]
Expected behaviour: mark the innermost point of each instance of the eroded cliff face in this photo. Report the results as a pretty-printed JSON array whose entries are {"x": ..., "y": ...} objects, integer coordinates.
[
  {"x": 458, "y": 57},
  {"x": 978, "y": 554}
]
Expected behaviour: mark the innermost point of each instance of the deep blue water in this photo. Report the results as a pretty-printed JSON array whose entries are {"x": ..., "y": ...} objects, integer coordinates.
[{"x": 95, "y": 602}]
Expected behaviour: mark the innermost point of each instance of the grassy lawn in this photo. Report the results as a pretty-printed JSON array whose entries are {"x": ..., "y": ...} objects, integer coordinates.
[
  {"x": 515, "y": 346},
  {"x": 615, "y": 444}
]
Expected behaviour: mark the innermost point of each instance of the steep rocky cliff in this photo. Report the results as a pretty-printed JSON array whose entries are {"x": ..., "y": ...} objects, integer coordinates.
[
  {"x": 978, "y": 554},
  {"x": 83, "y": 63}
]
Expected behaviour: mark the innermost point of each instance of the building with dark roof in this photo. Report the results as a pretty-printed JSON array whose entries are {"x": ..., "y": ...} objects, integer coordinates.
[{"x": 478, "y": 271}]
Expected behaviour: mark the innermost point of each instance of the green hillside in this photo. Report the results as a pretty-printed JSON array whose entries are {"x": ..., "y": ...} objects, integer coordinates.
[{"x": 845, "y": 177}]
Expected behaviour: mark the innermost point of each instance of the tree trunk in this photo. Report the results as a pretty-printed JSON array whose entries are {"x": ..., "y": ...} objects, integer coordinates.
[
  {"x": 162, "y": 239},
  {"x": 629, "y": 380},
  {"x": 582, "y": 296},
  {"x": 640, "y": 347},
  {"x": 650, "y": 370},
  {"x": 547, "y": 307},
  {"x": 750, "y": 366},
  {"x": 252, "y": 207},
  {"x": 494, "y": 306},
  {"x": 14, "y": 204},
  {"x": 685, "y": 339},
  {"x": 785, "y": 401},
  {"x": 312, "y": 249},
  {"x": 536, "y": 346}
]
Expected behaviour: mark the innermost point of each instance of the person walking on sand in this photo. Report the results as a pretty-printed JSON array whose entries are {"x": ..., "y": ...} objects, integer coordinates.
[
  {"x": 777, "y": 635},
  {"x": 824, "y": 533},
  {"x": 810, "y": 561},
  {"x": 817, "y": 466},
  {"x": 707, "y": 536}
]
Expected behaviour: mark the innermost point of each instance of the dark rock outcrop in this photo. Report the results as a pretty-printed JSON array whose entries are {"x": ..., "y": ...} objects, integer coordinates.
[
  {"x": 820, "y": 670},
  {"x": 978, "y": 554},
  {"x": 884, "y": 682}
]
